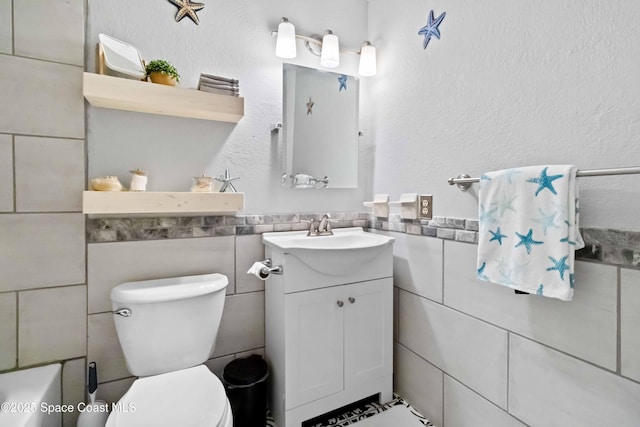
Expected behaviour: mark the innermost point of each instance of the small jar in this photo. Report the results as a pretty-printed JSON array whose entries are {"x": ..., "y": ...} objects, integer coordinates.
[
  {"x": 138, "y": 180},
  {"x": 202, "y": 184}
]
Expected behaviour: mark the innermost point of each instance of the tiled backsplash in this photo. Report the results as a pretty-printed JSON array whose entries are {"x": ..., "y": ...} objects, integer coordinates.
[{"x": 616, "y": 247}]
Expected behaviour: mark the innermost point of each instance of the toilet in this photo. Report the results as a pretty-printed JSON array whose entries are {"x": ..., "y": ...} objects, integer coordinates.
[{"x": 167, "y": 328}]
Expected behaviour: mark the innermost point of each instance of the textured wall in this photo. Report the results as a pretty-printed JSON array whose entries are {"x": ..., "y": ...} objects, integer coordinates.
[
  {"x": 508, "y": 84},
  {"x": 234, "y": 40}
]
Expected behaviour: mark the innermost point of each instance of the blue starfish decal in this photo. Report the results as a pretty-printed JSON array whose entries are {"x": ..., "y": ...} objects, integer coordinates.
[
  {"x": 487, "y": 216},
  {"x": 431, "y": 29},
  {"x": 481, "y": 274},
  {"x": 545, "y": 181},
  {"x": 540, "y": 288},
  {"x": 559, "y": 266},
  {"x": 546, "y": 220},
  {"x": 571, "y": 280},
  {"x": 527, "y": 241},
  {"x": 497, "y": 236},
  {"x": 566, "y": 240},
  {"x": 343, "y": 82},
  {"x": 485, "y": 177},
  {"x": 509, "y": 173}
]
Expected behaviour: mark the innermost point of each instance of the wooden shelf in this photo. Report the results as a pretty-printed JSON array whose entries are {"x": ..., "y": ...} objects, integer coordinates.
[
  {"x": 133, "y": 95},
  {"x": 147, "y": 202}
]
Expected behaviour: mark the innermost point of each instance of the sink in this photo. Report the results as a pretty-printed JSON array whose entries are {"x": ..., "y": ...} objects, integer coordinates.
[{"x": 347, "y": 250}]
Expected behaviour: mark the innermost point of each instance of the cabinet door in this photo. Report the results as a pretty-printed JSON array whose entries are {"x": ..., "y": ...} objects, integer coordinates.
[
  {"x": 314, "y": 345},
  {"x": 368, "y": 331}
]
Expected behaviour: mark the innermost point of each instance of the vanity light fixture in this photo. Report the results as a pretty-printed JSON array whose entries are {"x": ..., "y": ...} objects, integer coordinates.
[{"x": 327, "y": 48}]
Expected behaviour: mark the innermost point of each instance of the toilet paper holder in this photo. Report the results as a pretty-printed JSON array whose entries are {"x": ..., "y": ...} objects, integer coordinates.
[{"x": 266, "y": 269}]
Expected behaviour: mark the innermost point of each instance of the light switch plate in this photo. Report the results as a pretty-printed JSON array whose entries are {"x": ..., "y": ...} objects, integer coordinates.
[{"x": 426, "y": 206}]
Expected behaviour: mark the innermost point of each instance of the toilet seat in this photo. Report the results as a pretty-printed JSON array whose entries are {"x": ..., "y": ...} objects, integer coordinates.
[{"x": 192, "y": 397}]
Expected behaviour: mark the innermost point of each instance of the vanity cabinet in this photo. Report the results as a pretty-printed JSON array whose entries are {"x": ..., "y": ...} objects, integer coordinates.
[{"x": 329, "y": 339}]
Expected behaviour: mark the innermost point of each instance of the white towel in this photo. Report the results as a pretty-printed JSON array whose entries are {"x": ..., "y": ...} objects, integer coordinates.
[{"x": 529, "y": 229}]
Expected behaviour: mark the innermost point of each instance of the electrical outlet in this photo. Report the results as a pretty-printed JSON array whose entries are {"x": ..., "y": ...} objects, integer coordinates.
[{"x": 426, "y": 206}]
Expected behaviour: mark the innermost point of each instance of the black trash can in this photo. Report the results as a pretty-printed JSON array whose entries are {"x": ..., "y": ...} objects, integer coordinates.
[{"x": 245, "y": 380}]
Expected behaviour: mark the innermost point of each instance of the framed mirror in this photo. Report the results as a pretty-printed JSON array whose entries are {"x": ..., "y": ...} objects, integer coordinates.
[{"x": 320, "y": 125}]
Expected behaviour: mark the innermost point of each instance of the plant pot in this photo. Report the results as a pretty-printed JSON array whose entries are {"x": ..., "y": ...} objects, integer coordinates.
[{"x": 162, "y": 78}]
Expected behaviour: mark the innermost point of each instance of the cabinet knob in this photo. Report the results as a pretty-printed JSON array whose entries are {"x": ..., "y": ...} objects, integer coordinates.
[
  {"x": 340, "y": 303},
  {"x": 352, "y": 300}
]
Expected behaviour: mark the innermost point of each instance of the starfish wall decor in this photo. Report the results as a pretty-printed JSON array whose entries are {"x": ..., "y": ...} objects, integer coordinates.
[
  {"x": 431, "y": 29},
  {"x": 187, "y": 8}
]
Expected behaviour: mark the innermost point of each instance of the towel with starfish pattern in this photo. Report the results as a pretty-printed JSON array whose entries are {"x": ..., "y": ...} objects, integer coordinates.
[{"x": 529, "y": 229}]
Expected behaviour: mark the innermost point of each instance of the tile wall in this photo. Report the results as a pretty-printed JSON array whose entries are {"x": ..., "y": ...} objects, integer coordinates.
[
  {"x": 43, "y": 291},
  {"x": 468, "y": 350}
]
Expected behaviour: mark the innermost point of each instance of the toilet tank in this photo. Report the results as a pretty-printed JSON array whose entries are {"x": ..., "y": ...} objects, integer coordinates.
[{"x": 172, "y": 323}]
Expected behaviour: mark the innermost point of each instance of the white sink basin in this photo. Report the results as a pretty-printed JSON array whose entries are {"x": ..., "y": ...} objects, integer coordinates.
[{"x": 335, "y": 255}]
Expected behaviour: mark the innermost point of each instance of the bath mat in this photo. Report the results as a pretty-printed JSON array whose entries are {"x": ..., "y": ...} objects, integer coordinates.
[{"x": 398, "y": 416}]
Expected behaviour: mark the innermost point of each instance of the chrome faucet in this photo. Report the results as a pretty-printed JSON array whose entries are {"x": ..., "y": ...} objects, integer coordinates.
[{"x": 323, "y": 228}]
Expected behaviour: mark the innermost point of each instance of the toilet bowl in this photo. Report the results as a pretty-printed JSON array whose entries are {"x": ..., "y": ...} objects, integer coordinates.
[{"x": 167, "y": 328}]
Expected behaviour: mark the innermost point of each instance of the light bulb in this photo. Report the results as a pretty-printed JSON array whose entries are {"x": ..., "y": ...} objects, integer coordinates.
[
  {"x": 367, "y": 66},
  {"x": 286, "y": 41},
  {"x": 330, "y": 56}
]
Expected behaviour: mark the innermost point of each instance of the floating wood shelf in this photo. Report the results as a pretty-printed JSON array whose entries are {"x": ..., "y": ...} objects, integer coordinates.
[
  {"x": 147, "y": 202},
  {"x": 133, "y": 95}
]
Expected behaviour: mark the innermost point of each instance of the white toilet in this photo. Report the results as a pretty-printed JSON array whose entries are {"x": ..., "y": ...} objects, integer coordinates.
[{"x": 167, "y": 328}]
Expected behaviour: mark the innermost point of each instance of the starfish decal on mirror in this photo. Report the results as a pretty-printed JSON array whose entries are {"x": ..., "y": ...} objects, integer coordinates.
[
  {"x": 310, "y": 106},
  {"x": 343, "y": 82},
  {"x": 431, "y": 29},
  {"x": 545, "y": 181},
  {"x": 187, "y": 8}
]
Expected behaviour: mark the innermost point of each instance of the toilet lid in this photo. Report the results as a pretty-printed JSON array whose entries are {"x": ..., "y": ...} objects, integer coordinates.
[{"x": 192, "y": 397}]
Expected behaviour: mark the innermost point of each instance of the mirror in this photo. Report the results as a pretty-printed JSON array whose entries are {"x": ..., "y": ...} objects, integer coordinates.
[{"x": 320, "y": 128}]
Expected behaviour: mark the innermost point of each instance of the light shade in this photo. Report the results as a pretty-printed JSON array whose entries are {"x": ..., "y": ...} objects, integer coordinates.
[
  {"x": 367, "y": 66},
  {"x": 330, "y": 56},
  {"x": 286, "y": 41}
]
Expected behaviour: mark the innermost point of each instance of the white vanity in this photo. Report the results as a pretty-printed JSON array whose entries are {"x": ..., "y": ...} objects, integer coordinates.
[{"x": 329, "y": 322}]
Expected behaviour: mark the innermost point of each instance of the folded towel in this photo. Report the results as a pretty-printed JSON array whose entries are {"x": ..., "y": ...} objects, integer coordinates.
[{"x": 529, "y": 229}]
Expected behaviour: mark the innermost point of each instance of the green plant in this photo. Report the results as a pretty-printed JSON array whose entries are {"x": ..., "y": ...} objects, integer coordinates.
[{"x": 160, "y": 66}]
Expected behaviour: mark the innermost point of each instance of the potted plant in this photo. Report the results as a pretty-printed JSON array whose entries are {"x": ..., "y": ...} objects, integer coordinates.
[{"x": 162, "y": 72}]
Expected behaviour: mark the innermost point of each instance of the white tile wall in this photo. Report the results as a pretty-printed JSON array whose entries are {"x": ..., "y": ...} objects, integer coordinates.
[
  {"x": 469, "y": 350},
  {"x": 249, "y": 249},
  {"x": 6, "y": 28},
  {"x": 630, "y": 323},
  {"x": 419, "y": 382},
  {"x": 6, "y": 172},
  {"x": 463, "y": 407},
  {"x": 548, "y": 388},
  {"x": 73, "y": 387},
  {"x": 585, "y": 327},
  {"x": 49, "y": 174},
  {"x": 8, "y": 327},
  {"x": 41, "y": 250},
  {"x": 41, "y": 98},
  {"x": 52, "y": 324},
  {"x": 242, "y": 325},
  {"x": 152, "y": 260},
  {"x": 104, "y": 348},
  {"x": 51, "y": 30},
  {"x": 417, "y": 264}
]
